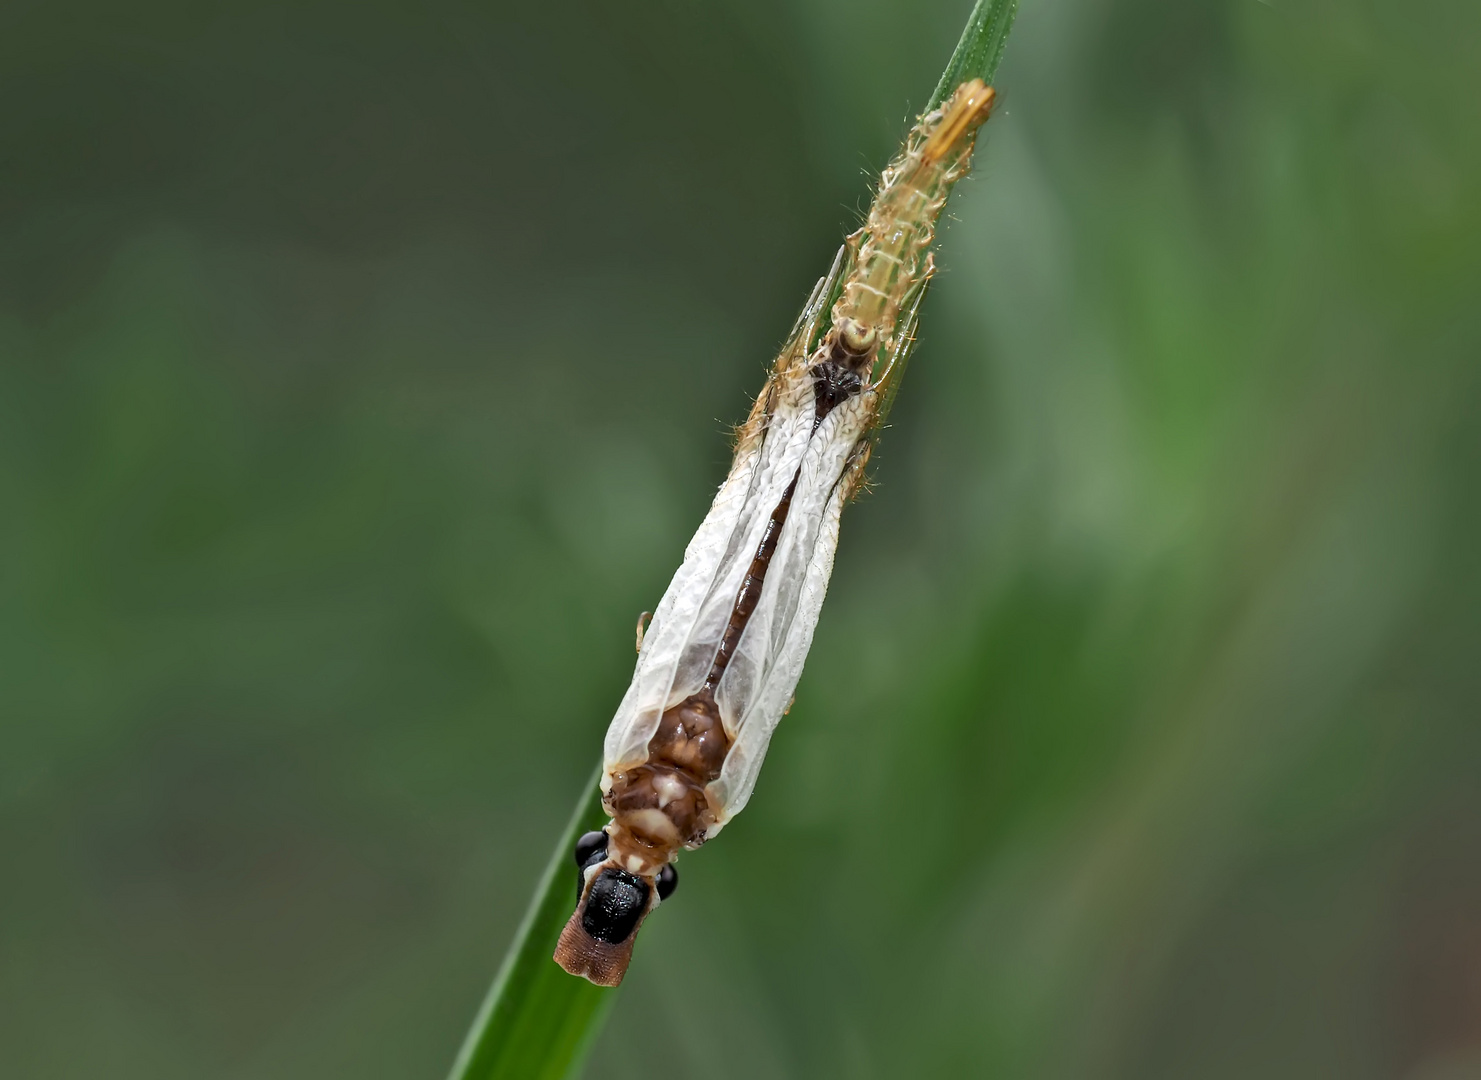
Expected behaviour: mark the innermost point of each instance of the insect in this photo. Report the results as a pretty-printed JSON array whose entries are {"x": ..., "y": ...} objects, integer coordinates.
[{"x": 718, "y": 664}]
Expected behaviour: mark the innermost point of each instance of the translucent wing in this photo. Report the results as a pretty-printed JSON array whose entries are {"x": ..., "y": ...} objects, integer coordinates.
[
  {"x": 761, "y": 679},
  {"x": 685, "y": 631},
  {"x": 780, "y": 442}
]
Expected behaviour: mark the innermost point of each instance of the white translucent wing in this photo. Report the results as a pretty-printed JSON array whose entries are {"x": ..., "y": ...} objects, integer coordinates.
[
  {"x": 668, "y": 630},
  {"x": 762, "y": 677},
  {"x": 785, "y": 444},
  {"x": 686, "y": 627},
  {"x": 684, "y": 633}
]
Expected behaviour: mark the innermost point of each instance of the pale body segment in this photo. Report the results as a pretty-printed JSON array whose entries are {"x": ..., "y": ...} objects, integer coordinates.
[{"x": 719, "y": 663}]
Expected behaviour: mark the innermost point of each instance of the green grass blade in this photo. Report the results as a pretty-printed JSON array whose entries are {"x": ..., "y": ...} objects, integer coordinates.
[
  {"x": 980, "y": 48},
  {"x": 537, "y": 1022}
]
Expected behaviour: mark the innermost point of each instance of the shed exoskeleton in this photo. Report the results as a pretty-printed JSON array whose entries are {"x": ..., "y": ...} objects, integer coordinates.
[{"x": 719, "y": 662}]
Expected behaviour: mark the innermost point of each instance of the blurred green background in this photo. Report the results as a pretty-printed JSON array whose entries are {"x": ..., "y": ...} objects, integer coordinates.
[{"x": 364, "y": 369}]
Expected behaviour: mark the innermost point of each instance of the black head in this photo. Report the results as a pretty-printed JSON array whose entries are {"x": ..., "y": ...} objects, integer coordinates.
[
  {"x": 597, "y": 942},
  {"x": 615, "y": 905}
]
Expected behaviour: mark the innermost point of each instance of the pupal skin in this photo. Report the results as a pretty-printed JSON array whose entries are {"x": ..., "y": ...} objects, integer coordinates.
[{"x": 719, "y": 662}]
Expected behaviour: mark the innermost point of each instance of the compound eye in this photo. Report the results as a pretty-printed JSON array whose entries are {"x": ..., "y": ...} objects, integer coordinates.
[
  {"x": 590, "y": 844},
  {"x": 668, "y": 881}
]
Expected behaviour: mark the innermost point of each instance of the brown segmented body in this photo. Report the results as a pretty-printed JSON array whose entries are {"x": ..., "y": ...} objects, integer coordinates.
[{"x": 719, "y": 662}]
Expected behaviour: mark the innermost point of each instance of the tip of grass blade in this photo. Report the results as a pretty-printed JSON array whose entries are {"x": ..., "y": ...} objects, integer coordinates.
[{"x": 981, "y": 47}]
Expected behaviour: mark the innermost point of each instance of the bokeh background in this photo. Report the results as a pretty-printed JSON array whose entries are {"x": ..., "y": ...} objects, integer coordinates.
[{"x": 364, "y": 369}]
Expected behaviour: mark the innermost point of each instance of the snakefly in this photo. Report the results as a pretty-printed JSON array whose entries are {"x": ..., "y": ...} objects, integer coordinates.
[{"x": 719, "y": 662}]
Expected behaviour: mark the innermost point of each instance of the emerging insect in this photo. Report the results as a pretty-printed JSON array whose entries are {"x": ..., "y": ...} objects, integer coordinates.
[{"x": 719, "y": 662}]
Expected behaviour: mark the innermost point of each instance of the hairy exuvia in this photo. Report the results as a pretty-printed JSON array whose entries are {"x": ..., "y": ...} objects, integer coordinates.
[{"x": 718, "y": 664}]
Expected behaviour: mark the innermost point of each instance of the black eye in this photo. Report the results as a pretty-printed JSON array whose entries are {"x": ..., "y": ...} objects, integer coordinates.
[
  {"x": 615, "y": 906},
  {"x": 590, "y": 848},
  {"x": 668, "y": 881},
  {"x": 592, "y": 843}
]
